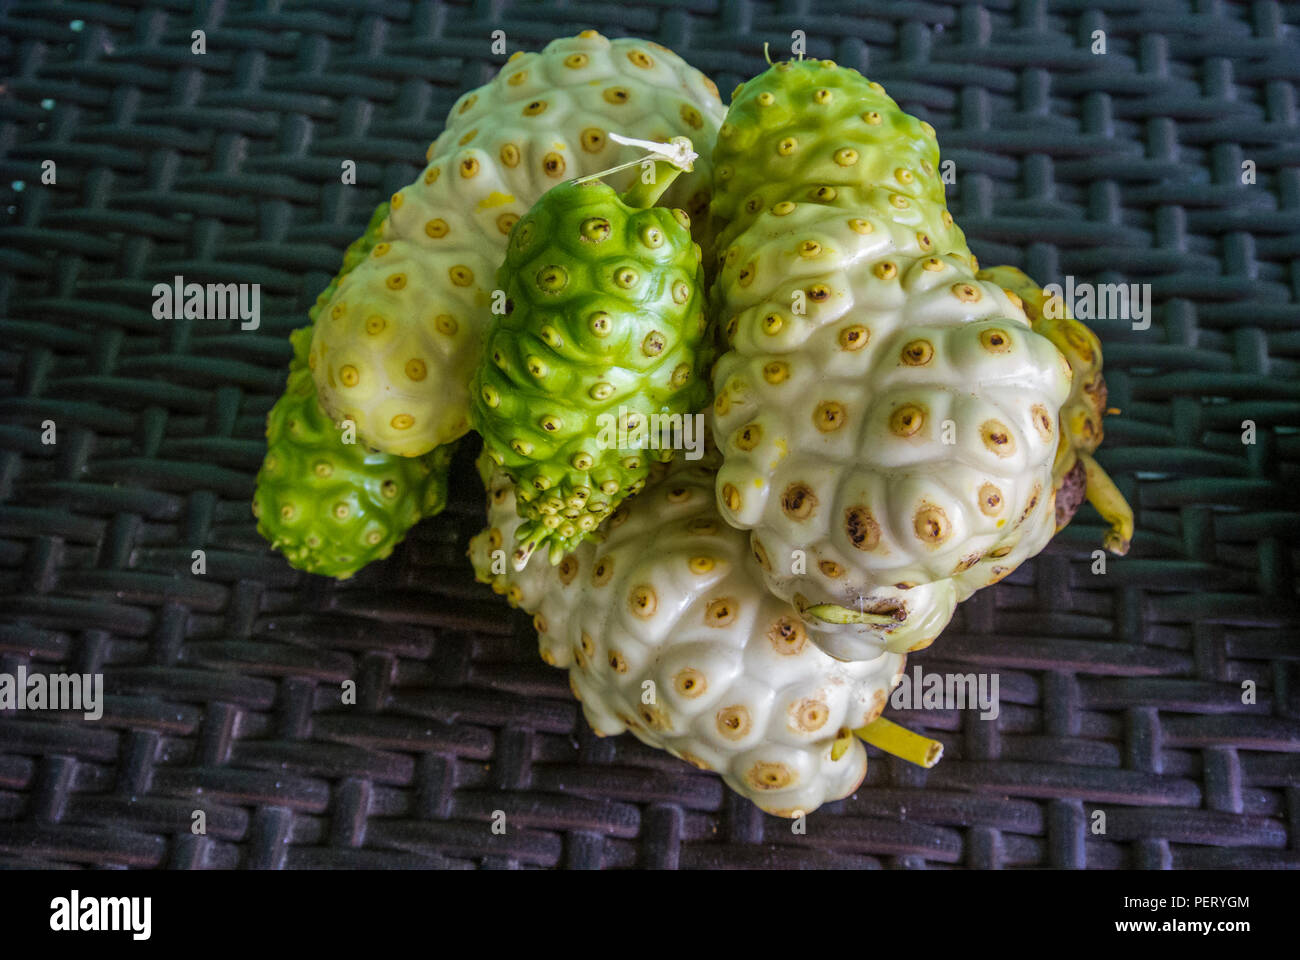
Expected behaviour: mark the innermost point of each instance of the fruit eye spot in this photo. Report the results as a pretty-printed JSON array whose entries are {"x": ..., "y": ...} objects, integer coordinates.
[
  {"x": 349, "y": 376},
  {"x": 553, "y": 164},
  {"x": 469, "y": 168},
  {"x": 907, "y": 420},
  {"x": 858, "y": 225},
  {"x": 681, "y": 291},
  {"x": 766, "y": 99},
  {"x": 640, "y": 59},
  {"x": 846, "y": 156},
  {"x": 626, "y": 277},
  {"x": 461, "y": 276},
  {"x": 998, "y": 438},
  {"x": 798, "y": 502},
  {"x": 918, "y": 353},
  {"x": 594, "y": 230},
  {"x": 819, "y": 292},
  {"x": 617, "y": 95},
  {"x": 995, "y": 341},
  {"x": 506, "y": 221},
  {"x": 783, "y": 208},
  {"x": 691, "y": 116},
  {"x": 510, "y": 155},
  {"x": 552, "y": 279},
  {"x": 787, "y": 146},
  {"x": 416, "y": 369},
  {"x": 436, "y": 228},
  {"x": 861, "y": 527},
  {"x": 575, "y": 61},
  {"x": 396, "y": 281},
  {"x": 829, "y": 416},
  {"x": 445, "y": 324},
  {"x": 653, "y": 344},
  {"x": 885, "y": 271},
  {"x": 592, "y": 140},
  {"x": 966, "y": 292}
]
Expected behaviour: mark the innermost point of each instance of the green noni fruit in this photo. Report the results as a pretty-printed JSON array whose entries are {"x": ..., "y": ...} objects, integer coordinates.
[
  {"x": 594, "y": 369},
  {"x": 329, "y": 506}
]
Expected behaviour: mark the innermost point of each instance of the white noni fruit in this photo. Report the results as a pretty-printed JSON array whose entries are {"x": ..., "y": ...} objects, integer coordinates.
[
  {"x": 888, "y": 420},
  {"x": 668, "y": 632}
]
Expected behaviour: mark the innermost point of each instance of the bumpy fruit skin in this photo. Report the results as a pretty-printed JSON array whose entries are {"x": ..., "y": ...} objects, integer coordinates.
[
  {"x": 888, "y": 420},
  {"x": 604, "y": 330},
  {"x": 669, "y": 602},
  {"x": 396, "y": 344},
  {"x": 1075, "y": 473},
  {"x": 332, "y": 507}
]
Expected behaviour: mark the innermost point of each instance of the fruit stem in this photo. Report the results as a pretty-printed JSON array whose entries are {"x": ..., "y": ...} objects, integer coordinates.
[
  {"x": 901, "y": 742},
  {"x": 1110, "y": 503},
  {"x": 834, "y": 613}
]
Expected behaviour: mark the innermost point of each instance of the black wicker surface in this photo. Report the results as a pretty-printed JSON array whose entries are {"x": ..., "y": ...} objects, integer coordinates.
[{"x": 1121, "y": 692}]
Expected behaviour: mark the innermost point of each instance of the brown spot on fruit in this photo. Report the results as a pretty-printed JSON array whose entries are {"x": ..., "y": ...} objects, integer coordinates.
[
  {"x": 990, "y": 499},
  {"x": 592, "y": 139},
  {"x": 907, "y": 420},
  {"x": 995, "y": 340},
  {"x": 830, "y": 416},
  {"x": 799, "y": 502},
  {"x": 748, "y": 437},
  {"x": 861, "y": 527},
  {"x": 931, "y": 525},
  {"x": 854, "y": 337},
  {"x": 770, "y": 776},
  {"x": 568, "y": 569},
  {"x": 720, "y": 612},
  {"x": 689, "y": 682},
  {"x": 760, "y": 553},
  {"x": 643, "y": 602},
  {"x": 966, "y": 292},
  {"x": 998, "y": 438},
  {"x": 602, "y": 572},
  {"x": 616, "y": 662},
  {"x": 808, "y": 715},
  {"x": 1042, "y": 422},
  {"x": 830, "y": 568},
  {"x": 917, "y": 353},
  {"x": 787, "y": 636},
  {"x": 734, "y": 722}
]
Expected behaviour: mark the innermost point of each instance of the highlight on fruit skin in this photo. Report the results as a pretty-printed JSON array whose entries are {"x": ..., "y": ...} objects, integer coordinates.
[
  {"x": 1075, "y": 471},
  {"x": 331, "y": 507}
]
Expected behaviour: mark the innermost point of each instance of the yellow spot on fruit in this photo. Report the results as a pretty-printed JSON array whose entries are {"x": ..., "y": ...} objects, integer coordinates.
[
  {"x": 416, "y": 369},
  {"x": 349, "y": 376},
  {"x": 436, "y": 228},
  {"x": 403, "y": 421},
  {"x": 396, "y": 281}
]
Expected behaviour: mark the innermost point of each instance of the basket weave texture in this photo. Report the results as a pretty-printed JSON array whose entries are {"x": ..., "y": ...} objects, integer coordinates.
[{"x": 1120, "y": 693}]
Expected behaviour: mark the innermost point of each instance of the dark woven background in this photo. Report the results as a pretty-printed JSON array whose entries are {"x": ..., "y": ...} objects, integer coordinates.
[{"x": 1120, "y": 693}]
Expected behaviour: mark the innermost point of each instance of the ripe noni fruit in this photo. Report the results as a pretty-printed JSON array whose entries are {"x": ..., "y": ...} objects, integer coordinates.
[
  {"x": 668, "y": 632},
  {"x": 888, "y": 420}
]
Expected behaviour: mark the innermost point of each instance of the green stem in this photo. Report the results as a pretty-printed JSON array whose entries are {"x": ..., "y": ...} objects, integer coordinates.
[{"x": 641, "y": 195}]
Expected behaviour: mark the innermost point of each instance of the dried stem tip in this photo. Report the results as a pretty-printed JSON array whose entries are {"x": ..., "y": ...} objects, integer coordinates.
[{"x": 901, "y": 742}]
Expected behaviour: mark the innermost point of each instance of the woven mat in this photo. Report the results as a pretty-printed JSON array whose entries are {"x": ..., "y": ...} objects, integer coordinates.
[{"x": 1121, "y": 693}]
